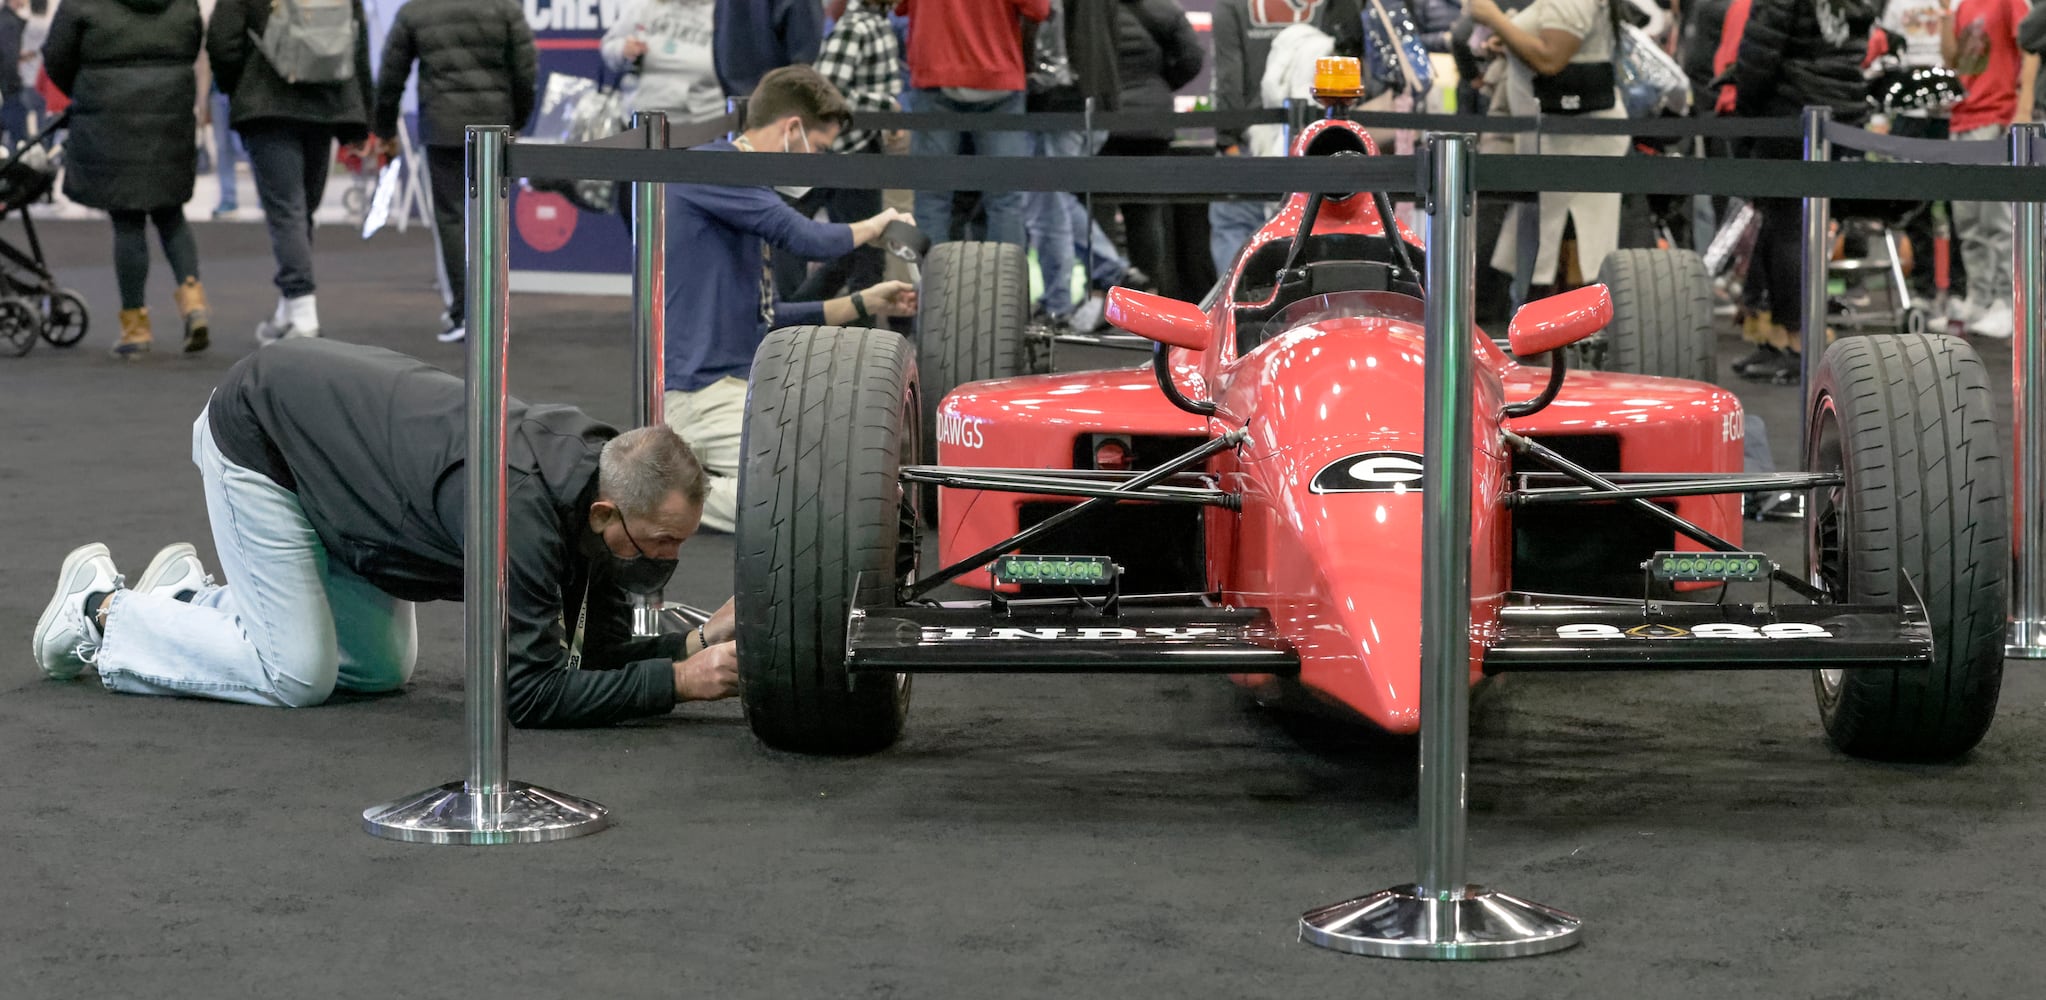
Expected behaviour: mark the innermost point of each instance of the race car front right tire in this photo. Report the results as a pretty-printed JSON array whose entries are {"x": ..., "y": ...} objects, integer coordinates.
[
  {"x": 1908, "y": 421},
  {"x": 824, "y": 521},
  {"x": 1662, "y": 314}
]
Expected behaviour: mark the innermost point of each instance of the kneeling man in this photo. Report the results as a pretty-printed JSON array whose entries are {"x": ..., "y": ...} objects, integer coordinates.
[{"x": 335, "y": 486}]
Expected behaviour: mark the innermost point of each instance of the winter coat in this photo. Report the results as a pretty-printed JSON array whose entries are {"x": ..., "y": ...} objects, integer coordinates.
[
  {"x": 256, "y": 95},
  {"x": 1793, "y": 54},
  {"x": 477, "y": 66},
  {"x": 753, "y": 37},
  {"x": 1156, "y": 53},
  {"x": 128, "y": 67},
  {"x": 1090, "y": 49}
]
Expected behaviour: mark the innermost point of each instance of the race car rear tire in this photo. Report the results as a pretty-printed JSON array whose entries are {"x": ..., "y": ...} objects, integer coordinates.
[
  {"x": 1662, "y": 314},
  {"x": 831, "y": 416},
  {"x": 973, "y": 317},
  {"x": 1909, "y": 422}
]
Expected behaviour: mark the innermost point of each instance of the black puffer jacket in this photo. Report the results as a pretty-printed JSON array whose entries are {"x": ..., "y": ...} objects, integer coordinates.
[
  {"x": 1156, "y": 53},
  {"x": 257, "y": 95},
  {"x": 128, "y": 68},
  {"x": 477, "y": 66},
  {"x": 1794, "y": 54}
]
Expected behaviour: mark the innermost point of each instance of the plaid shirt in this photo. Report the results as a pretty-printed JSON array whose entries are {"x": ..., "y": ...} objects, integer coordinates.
[{"x": 862, "y": 58}]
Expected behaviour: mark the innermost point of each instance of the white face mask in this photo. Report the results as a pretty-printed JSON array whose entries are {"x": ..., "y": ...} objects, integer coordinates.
[{"x": 796, "y": 190}]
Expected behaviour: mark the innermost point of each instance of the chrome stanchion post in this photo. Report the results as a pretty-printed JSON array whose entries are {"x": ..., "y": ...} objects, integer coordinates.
[
  {"x": 1817, "y": 247},
  {"x": 1441, "y": 916},
  {"x": 488, "y": 807},
  {"x": 2026, "y": 638},
  {"x": 649, "y": 300}
]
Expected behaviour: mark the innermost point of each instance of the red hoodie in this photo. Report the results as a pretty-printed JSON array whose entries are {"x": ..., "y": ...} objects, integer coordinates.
[{"x": 968, "y": 43}]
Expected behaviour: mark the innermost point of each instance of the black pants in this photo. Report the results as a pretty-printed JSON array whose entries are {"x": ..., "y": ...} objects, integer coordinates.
[
  {"x": 1143, "y": 224},
  {"x": 290, "y": 162},
  {"x": 131, "y": 250},
  {"x": 445, "y": 172},
  {"x": 1778, "y": 259},
  {"x": 862, "y": 268}
]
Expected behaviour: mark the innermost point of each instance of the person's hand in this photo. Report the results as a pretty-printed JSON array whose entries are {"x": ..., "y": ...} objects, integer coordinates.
[
  {"x": 869, "y": 230},
  {"x": 388, "y": 147},
  {"x": 723, "y": 625},
  {"x": 710, "y": 675},
  {"x": 634, "y": 48},
  {"x": 890, "y": 299},
  {"x": 1484, "y": 12},
  {"x": 1494, "y": 46}
]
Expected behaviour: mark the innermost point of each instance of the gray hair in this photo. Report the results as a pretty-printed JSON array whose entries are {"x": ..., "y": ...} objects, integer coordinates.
[{"x": 638, "y": 469}]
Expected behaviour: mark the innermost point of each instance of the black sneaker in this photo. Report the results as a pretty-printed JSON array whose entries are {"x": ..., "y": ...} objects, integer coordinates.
[
  {"x": 1761, "y": 355},
  {"x": 1784, "y": 369}
]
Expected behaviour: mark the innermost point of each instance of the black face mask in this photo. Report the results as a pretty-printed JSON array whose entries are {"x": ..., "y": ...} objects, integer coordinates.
[{"x": 640, "y": 574}]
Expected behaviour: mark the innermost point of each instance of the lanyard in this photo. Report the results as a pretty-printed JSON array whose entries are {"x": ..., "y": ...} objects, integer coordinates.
[{"x": 582, "y": 618}]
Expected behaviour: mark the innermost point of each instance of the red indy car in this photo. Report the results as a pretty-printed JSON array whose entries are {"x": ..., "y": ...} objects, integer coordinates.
[{"x": 1250, "y": 504}]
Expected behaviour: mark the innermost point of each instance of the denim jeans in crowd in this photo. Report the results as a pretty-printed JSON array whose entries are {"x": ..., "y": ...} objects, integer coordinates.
[
  {"x": 1231, "y": 224},
  {"x": 289, "y": 629},
  {"x": 225, "y": 154},
  {"x": 1004, "y": 208},
  {"x": 290, "y": 162},
  {"x": 1051, "y": 227}
]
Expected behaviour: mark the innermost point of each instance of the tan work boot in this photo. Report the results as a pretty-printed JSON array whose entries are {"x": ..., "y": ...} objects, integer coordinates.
[
  {"x": 135, "y": 339},
  {"x": 191, "y": 298}
]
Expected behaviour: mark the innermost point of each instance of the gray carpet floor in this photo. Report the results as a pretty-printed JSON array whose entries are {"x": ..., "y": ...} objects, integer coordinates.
[{"x": 1030, "y": 837}]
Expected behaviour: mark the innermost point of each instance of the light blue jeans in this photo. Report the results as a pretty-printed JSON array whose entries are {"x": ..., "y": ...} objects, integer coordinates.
[
  {"x": 226, "y": 152},
  {"x": 1231, "y": 224},
  {"x": 291, "y": 629},
  {"x": 1059, "y": 224},
  {"x": 1004, "y": 208}
]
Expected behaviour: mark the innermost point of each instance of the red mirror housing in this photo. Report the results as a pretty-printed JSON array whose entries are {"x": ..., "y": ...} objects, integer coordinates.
[
  {"x": 1558, "y": 321},
  {"x": 1155, "y": 317}
]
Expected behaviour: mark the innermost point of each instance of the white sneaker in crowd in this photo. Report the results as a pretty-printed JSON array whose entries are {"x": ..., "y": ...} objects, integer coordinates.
[
  {"x": 1961, "y": 311},
  {"x": 1087, "y": 316},
  {"x": 452, "y": 332},
  {"x": 176, "y": 573},
  {"x": 1997, "y": 322},
  {"x": 299, "y": 317},
  {"x": 66, "y": 638}
]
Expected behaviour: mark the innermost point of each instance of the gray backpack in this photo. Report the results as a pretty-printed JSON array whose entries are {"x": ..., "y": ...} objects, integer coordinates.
[{"x": 310, "y": 41}]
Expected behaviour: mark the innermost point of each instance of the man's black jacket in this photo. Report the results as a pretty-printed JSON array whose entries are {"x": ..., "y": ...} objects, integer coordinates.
[
  {"x": 374, "y": 444},
  {"x": 477, "y": 66}
]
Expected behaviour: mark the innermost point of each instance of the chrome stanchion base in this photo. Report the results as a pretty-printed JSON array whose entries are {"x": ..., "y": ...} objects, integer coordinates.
[
  {"x": 2025, "y": 640},
  {"x": 451, "y": 814},
  {"x": 1400, "y": 923}
]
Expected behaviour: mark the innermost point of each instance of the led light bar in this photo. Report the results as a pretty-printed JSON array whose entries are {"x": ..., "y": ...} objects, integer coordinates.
[
  {"x": 1710, "y": 567},
  {"x": 1084, "y": 571}
]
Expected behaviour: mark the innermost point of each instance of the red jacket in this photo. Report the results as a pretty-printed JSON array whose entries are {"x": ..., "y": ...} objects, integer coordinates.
[{"x": 968, "y": 43}]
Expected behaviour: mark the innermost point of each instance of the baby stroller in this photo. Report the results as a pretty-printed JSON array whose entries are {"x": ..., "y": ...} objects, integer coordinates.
[
  {"x": 31, "y": 304},
  {"x": 1868, "y": 285}
]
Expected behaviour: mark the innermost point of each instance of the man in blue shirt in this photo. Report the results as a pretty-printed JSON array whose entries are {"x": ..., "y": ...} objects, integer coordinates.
[{"x": 721, "y": 298}]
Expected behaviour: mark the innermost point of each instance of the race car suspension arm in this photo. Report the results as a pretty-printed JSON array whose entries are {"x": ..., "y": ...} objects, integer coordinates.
[
  {"x": 1694, "y": 486},
  {"x": 1025, "y": 482},
  {"x": 1535, "y": 450},
  {"x": 1133, "y": 489}
]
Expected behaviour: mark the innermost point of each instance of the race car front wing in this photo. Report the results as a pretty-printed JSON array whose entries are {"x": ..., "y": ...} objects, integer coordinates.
[
  {"x": 1067, "y": 637},
  {"x": 1670, "y": 635}
]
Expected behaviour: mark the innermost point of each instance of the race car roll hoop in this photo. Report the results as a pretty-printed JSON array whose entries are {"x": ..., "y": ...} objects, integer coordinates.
[{"x": 850, "y": 674}]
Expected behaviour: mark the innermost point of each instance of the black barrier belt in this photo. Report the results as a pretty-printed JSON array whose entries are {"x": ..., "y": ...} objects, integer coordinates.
[
  {"x": 1979, "y": 152},
  {"x": 1235, "y": 175},
  {"x": 684, "y": 136}
]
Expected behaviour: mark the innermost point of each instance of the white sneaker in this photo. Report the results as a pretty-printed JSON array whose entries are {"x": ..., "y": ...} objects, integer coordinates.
[
  {"x": 1961, "y": 311},
  {"x": 297, "y": 317},
  {"x": 176, "y": 573},
  {"x": 1087, "y": 316},
  {"x": 455, "y": 333},
  {"x": 66, "y": 638},
  {"x": 1997, "y": 322}
]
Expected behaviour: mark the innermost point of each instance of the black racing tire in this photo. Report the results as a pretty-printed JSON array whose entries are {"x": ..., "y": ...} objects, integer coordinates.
[
  {"x": 1909, "y": 422},
  {"x": 831, "y": 416},
  {"x": 973, "y": 319},
  {"x": 1662, "y": 314}
]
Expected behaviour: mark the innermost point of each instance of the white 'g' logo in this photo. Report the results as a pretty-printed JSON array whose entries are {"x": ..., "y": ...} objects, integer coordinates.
[{"x": 1371, "y": 472}]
